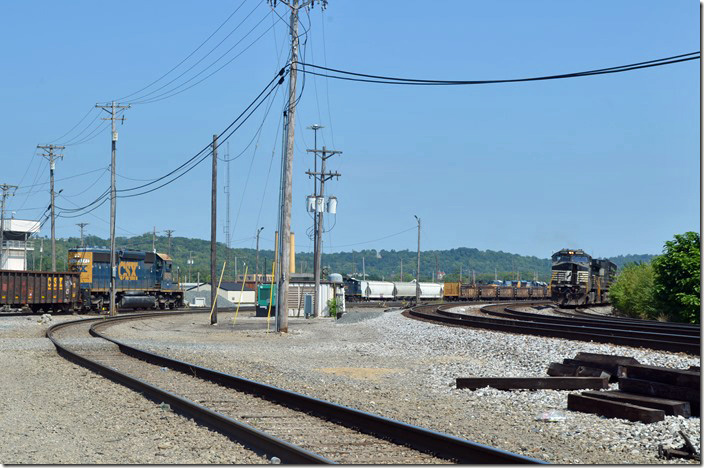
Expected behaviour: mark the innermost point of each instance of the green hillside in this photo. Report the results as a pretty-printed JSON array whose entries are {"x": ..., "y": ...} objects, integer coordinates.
[{"x": 381, "y": 264}]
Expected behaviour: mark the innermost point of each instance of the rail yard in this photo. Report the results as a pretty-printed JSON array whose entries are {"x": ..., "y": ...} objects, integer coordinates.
[{"x": 375, "y": 363}]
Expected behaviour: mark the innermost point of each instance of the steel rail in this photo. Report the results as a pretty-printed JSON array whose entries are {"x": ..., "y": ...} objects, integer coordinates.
[
  {"x": 580, "y": 313},
  {"x": 418, "y": 438},
  {"x": 676, "y": 334},
  {"x": 435, "y": 313},
  {"x": 259, "y": 441}
]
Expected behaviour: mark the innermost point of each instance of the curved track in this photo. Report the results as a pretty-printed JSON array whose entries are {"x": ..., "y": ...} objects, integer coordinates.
[
  {"x": 580, "y": 326},
  {"x": 291, "y": 426}
]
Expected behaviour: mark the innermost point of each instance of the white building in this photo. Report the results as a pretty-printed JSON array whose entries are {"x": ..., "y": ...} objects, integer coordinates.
[{"x": 14, "y": 244}]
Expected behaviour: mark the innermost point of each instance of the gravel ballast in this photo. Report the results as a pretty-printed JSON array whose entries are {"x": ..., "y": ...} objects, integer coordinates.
[{"x": 372, "y": 360}]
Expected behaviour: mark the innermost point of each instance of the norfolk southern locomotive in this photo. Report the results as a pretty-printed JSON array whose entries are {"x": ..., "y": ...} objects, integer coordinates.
[{"x": 578, "y": 279}]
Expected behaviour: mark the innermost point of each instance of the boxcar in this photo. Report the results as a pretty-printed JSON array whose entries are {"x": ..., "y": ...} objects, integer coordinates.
[{"x": 39, "y": 290}]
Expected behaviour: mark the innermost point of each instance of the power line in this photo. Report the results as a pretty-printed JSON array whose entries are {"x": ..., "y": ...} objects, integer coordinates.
[
  {"x": 189, "y": 55},
  {"x": 368, "y": 78}
]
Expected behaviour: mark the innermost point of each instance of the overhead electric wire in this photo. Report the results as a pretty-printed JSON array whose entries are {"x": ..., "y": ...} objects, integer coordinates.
[
  {"x": 189, "y": 55},
  {"x": 171, "y": 92},
  {"x": 74, "y": 127},
  {"x": 220, "y": 141},
  {"x": 375, "y": 240},
  {"x": 280, "y": 76},
  {"x": 140, "y": 98},
  {"x": 368, "y": 78},
  {"x": 62, "y": 179}
]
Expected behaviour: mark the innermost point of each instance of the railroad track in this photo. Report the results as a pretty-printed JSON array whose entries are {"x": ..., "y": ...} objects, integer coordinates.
[
  {"x": 269, "y": 420},
  {"x": 580, "y": 326}
]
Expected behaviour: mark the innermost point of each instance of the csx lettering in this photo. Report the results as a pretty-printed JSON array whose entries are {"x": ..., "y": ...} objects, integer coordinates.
[{"x": 127, "y": 271}]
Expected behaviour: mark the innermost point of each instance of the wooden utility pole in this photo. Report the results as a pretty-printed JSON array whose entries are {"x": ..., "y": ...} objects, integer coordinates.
[
  {"x": 49, "y": 154},
  {"x": 418, "y": 265},
  {"x": 401, "y": 276},
  {"x": 287, "y": 176},
  {"x": 114, "y": 108},
  {"x": 321, "y": 177},
  {"x": 213, "y": 230},
  {"x": 81, "y": 225},
  {"x": 5, "y": 189},
  {"x": 168, "y": 237}
]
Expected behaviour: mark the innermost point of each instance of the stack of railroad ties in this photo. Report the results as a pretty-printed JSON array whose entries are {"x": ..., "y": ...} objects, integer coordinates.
[{"x": 645, "y": 394}]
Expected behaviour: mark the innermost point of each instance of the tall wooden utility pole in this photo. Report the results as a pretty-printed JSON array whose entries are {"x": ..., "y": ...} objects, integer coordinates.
[
  {"x": 168, "y": 237},
  {"x": 316, "y": 272},
  {"x": 418, "y": 265},
  {"x": 287, "y": 176},
  {"x": 81, "y": 225},
  {"x": 5, "y": 189},
  {"x": 321, "y": 176},
  {"x": 213, "y": 231},
  {"x": 401, "y": 276},
  {"x": 49, "y": 154},
  {"x": 113, "y": 109}
]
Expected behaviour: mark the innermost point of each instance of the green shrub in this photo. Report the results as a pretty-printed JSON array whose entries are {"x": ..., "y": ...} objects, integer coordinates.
[
  {"x": 677, "y": 278},
  {"x": 632, "y": 292},
  {"x": 332, "y": 307}
]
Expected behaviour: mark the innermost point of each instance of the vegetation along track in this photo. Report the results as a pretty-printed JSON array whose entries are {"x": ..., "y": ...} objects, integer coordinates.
[
  {"x": 664, "y": 336},
  {"x": 269, "y": 420}
]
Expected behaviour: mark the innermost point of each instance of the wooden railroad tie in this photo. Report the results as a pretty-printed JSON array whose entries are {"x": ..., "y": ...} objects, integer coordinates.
[{"x": 533, "y": 383}]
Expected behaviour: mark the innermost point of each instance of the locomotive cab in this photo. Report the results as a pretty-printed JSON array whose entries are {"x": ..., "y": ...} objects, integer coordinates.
[{"x": 570, "y": 281}]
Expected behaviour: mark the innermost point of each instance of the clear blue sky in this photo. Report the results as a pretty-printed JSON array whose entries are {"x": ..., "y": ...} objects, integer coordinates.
[{"x": 608, "y": 163}]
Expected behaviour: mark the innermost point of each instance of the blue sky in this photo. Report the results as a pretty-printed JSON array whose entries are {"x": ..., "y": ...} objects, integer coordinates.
[{"x": 608, "y": 163}]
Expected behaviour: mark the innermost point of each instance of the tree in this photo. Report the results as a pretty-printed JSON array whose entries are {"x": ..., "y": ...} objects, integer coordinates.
[
  {"x": 677, "y": 278},
  {"x": 632, "y": 291}
]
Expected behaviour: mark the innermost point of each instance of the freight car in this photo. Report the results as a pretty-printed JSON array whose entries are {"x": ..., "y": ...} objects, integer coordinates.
[
  {"x": 525, "y": 290},
  {"x": 578, "y": 279},
  {"x": 39, "y": 290},
  {"x": 363, "y": 290},
  {"x": 144, "y": 280}
]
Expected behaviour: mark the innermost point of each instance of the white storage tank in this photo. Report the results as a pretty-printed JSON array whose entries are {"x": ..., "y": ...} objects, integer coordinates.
[
  {"x": 335, "y": 278},
  {"x": 377, "y": 290}
]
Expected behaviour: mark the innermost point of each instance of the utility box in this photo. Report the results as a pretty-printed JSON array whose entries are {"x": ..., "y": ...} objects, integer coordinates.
[{"x": 308, "y": 305}]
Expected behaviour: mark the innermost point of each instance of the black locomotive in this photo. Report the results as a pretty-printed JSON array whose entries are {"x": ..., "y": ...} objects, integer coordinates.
[{"x": 578, "y": 279}]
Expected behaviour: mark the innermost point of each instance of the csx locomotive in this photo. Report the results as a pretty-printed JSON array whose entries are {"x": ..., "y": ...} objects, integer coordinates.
[
  {"x": 578, "y": 279},
  {"x": 144, "y": 279}
]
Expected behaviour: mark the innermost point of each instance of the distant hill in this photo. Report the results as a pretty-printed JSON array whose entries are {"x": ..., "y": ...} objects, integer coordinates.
[
  {"x": 381, "y": 264},
  {"x": 623, "y": 260}
]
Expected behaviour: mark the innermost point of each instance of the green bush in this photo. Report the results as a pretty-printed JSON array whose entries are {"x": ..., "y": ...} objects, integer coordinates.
[
  {"x": 332, "y": 307},
  {"x": 677, "y": 278},
  {"x": 632, "y": 292}
]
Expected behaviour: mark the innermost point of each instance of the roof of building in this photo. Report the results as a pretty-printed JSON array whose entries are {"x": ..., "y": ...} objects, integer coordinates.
[{"x": 234, "y": 286}]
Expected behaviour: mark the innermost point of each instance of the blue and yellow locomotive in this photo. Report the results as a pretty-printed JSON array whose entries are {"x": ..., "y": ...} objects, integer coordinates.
[{"x": 144, "y": 279}]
